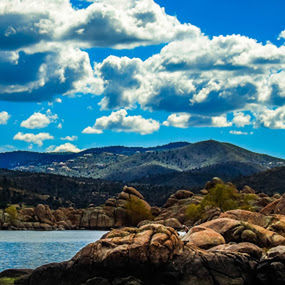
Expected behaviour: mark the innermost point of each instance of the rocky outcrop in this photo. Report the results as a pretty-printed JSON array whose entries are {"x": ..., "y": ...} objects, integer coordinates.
[
  {"x": 112, "y": 214},
  {"x": 237, "y": 231},
  {"x": 176, "y": 205},
  {"x": 275, "y": 223},
  {"x": 155, "y": 254},
  {"x": 152, "y": 254}
]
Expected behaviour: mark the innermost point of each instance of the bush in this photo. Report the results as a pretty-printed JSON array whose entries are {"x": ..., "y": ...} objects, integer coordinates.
[
  {"x": 193, "y": 212},
  {"x": 222, "y": 196},
  {"x": 12, "y": 212},
  {"x": 137, "y": 211}
]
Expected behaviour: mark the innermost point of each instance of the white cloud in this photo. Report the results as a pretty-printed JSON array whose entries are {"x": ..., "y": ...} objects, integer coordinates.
[
  {"x": 69, "y": 138},
  {"x": 41, "y": 43},
  {"x": 120, "y": 24},
  {"x": 177, "y": 120},
  {"x": 282, "y": 35},
  {"x": 4, "y": 117},
  {"x": 271, "y": 118},
  {"x": 120, "y": 122},
  {"x": 239, "y": 133},
  {"x": 67, "y": 147},
  {"x": 32, "y": 138},
  {"x": 220, "y": 121},
  {"x": 241, "y": 120},
  {"x": 200, "y": 76},
  {"x": 36, "y": 121},
  {"x": 42, "y": 74}
]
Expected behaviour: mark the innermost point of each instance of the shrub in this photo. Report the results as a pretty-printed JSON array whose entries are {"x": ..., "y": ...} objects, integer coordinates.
[
  {"x": 137, "y": 211},
  {"x": 12, "y": 212},
  {"x": 221, "y": 196},
  {"x": 193, "y": 212}
]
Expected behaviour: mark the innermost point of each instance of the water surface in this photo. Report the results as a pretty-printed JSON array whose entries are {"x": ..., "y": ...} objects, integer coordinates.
[{"x": 30, "y": 249}]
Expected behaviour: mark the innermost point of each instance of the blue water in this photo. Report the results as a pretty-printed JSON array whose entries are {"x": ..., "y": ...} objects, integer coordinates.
[{"x": 30, "y": 249}]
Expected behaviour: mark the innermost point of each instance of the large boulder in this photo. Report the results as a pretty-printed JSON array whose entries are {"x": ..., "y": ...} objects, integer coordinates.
[
  {"x": 44, "y": 214},
  {"x": 203, "y": 237}
]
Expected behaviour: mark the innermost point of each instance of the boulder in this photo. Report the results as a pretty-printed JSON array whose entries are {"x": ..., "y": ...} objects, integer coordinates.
[
  {"x": 247, "y": 190},
  {"x": 204, "y": 191},
  {"x": 280, "y": 207},
  {"x": 203, "y": 237},
  {"x": 133, "y": 191},
  {"x": 248, "y": 216},
  {"x": 183, "y": 194},
  {"x": 276, "y": 252},
  {"x": 172, "y": 222},
  {"x": 243, "y": 247},
  {"x": 270, "y": 208},
  {"x": 213, "y": 183},
  {"x": 155, "y": 211},
  {"x": 44, "y": 214}
]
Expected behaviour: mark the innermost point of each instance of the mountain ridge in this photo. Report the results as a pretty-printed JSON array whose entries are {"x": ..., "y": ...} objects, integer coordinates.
[{"x": 130, "y": 164}]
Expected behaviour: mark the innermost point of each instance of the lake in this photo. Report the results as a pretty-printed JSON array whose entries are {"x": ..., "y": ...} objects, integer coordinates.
[{"x": 30, "y": 249}]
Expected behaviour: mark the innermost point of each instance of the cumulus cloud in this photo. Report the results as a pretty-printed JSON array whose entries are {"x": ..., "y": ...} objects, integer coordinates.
[
  {"x": 107, "y": 23},
  {"x": 38, "y": 120},
  {"x": 40, "y": 48},
  {"x": 241, "y": 120},
  {"x": 40, "y": 76},
  {"x": 69, "y": 138},
  {"x": 271, "y": 118},
  {"x": 67, "y": 147},
  {"x": 33, "y": 138},
  {"x": 202, "y": 76},
  {"x": 4, "y": 117},
  {"x": 120, "y": 122},
  {"x": 125, "y": 24},
  {"x": 177, "y": 120},
  {"x": 220, "y": 121}
]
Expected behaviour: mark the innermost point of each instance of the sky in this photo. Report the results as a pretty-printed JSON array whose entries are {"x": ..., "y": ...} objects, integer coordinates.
[{"x": 78, "y": 74}]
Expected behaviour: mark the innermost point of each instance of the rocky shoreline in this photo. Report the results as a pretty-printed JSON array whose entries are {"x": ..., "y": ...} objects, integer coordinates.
[
  {"x": 155, "y": 254},
  {"x": 240, "y": 246}
]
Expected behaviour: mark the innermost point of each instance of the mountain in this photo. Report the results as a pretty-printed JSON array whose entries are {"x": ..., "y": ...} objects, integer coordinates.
[
  {"x": 179, "y": 161},
  {"x": 270, "y": 181},
  {"x": 17, "y": 159}
]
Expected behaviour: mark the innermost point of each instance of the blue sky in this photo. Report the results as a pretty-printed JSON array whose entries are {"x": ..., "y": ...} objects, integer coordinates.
[{"x": 75, "y": 75}]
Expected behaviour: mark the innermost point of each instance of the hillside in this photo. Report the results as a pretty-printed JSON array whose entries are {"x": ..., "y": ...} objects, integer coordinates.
[
  {"x": 62, "y": 191},
  {"x": 197, "y": 177},
  {"x": 270, "y": 181},
  {"x": 130, "y": 164}
]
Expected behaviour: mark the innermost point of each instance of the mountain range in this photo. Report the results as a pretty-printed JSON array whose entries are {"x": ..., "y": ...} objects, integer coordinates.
[{"x": 176, "y": 164}]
